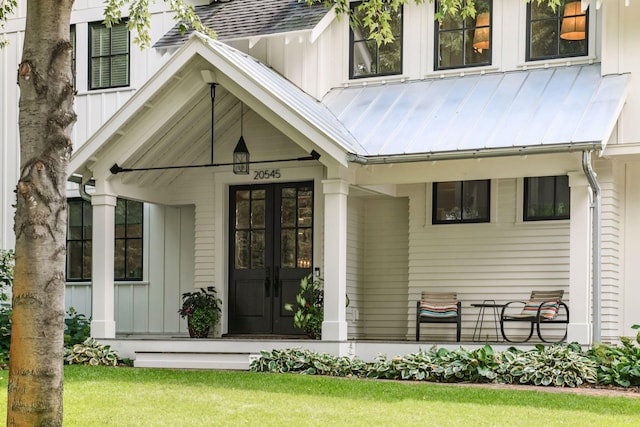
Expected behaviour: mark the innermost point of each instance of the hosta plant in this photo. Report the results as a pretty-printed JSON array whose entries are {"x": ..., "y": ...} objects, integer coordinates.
[
  {"x": 556, "y": 365},
  {"x": 90, "y": 352},
  {"x": 307, "y": 362},
  {"x": 439, "y": 365}
]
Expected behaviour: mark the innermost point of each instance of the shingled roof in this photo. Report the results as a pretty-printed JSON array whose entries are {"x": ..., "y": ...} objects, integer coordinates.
[{"x": 236, "y": 19}]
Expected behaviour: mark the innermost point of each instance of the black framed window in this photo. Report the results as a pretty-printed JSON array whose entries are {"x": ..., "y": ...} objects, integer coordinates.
[
  {"x": 128, "y": 244},
  {"x": 464, "y": 42},
  {"x": 559, "y": 33},
  {"x": 546, "y": 198},
  {"x": 108, "y": 55},
  {"x": 128, "y": 240},
  {"x": 79, "y": 232},
  {"x": 461, "y": 201},
  {"x": 367, "y": 59}
]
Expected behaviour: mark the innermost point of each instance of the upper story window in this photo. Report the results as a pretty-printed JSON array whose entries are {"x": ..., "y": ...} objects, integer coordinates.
[
  {"x": 464, "y": 42},
  {"x": 109, "y": 55},
  {"x": 128, "y": 240},
  {"x": 367, "y": 59},
  {"x": 461, "y": 201},
  {"x": 546, "y": 197},
  {"x": 556, "y": 34}
]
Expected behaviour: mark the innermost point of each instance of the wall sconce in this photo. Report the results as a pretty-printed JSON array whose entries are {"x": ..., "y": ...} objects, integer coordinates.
[
  {"x": 574, "y": 22},
  {"x": 240, "y": 153},
  {"x": 481, "y": 33}
]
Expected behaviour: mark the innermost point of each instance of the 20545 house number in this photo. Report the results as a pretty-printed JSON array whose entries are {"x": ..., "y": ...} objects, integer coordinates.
[{"x": 266, "y": 174}]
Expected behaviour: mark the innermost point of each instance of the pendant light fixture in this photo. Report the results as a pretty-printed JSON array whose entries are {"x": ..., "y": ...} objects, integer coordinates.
[{"x": 240, "y": 153}]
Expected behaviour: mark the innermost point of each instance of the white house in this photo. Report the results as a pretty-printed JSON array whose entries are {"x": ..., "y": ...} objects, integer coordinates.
[{"x": 490, "y": 157}]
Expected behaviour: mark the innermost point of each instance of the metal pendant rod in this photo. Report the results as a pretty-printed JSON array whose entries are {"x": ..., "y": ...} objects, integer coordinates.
[{"x": 213, "y": 98}]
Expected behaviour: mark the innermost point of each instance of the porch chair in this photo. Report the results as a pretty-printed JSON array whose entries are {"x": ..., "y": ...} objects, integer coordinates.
[
  {"x": 542, "y": 308},
  {"x": 438, "y": 307}
]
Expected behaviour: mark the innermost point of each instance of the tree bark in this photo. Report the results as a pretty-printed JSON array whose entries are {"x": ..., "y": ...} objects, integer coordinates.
[{"x": 46, "y": 117}]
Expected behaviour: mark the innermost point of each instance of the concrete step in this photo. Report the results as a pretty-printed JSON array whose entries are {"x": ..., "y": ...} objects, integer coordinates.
[{"x": 192, "y": 360}]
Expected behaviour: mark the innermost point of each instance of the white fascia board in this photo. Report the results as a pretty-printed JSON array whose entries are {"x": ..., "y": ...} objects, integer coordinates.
[{"x": 323, "y": 24}]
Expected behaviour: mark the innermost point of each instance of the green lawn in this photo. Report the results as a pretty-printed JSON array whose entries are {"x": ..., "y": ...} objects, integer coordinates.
[{"x": 99, "y": 396}]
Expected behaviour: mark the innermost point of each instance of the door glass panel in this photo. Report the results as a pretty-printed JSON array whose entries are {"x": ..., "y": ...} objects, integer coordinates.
[
  {"x": 257, "y": 208},
  {"x": 257, "y": 249},
  {"x": 288, "y": 248},
  {"x": 305, "y": 207},
  {"x": 242, "y": 249},
  {"x": 304, "y": 248},
  {"x": 242, "y": 209},
  {"x": 288, "y": 211}
]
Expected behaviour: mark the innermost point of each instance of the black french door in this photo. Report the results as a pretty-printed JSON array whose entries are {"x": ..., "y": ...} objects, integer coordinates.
[{"x": 270, "y": 250}]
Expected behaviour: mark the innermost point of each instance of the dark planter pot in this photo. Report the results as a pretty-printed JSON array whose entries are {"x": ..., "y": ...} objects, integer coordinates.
[{"x": 196, "y": 334}]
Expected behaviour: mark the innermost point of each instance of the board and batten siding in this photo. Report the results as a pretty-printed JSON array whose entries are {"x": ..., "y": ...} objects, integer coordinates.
[
  {"x": 151, "y": 305},
  {"x": 502, "y": 260}
]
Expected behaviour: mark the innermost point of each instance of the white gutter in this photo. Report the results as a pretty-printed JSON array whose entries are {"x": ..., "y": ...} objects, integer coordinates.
[
  {"x": 596, "y": 208},
  {"x": 471, "y": 154}
]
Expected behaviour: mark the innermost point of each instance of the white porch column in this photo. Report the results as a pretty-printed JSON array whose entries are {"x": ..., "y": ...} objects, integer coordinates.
[
  {"x": 103, "y": 324},
  {"x": 581, "y": 323},
  {"x": 334, "y": 326}
]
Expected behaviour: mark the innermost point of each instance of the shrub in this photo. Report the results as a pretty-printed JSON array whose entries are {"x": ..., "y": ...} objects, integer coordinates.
[
  {"x": 90, "y": 352},
  {"x": 5, "y": 333},
  {"x": 309, "y": 310},
  {"x": 618, "y": 365},
  {"x": 77, "y": 328},
  {"x": 7, "y": 262}
]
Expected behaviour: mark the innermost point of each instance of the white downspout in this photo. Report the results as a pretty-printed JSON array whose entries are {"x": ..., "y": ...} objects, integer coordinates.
[{"x": 596, "y": 207}]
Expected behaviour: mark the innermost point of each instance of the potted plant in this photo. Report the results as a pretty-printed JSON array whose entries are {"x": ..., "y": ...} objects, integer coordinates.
[
  {"x": 202, "y": 311},
  {"x": 309, "y": 313}
]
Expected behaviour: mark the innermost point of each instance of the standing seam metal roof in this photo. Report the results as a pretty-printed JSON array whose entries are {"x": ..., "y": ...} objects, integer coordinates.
[{"x": 568, "y": 105}]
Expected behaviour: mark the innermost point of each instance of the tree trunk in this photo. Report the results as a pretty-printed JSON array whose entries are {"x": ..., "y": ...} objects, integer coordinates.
[{"x": 46, "y": 119}]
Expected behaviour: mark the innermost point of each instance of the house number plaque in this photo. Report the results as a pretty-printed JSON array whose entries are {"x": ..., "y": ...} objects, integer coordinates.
[{"x": 266, "y": 174}]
